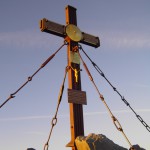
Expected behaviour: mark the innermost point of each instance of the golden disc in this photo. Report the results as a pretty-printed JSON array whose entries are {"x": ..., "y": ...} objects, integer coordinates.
[{"x": 74, "y": 33}]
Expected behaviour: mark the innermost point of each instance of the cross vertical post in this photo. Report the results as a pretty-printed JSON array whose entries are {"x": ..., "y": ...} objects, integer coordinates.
[
  {"x": 72, "y": 35},
  {"x": 76, "y": 110}
]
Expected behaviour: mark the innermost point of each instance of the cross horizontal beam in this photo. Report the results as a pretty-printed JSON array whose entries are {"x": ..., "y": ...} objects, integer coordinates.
[{"x": 60, "y": 30}]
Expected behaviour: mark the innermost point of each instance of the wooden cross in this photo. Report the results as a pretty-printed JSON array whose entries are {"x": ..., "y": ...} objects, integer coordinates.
[{"x": 74, "y": 80}]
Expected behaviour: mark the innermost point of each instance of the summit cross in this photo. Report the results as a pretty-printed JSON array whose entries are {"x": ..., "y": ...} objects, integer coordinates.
[{"x": 71, "y": 33}]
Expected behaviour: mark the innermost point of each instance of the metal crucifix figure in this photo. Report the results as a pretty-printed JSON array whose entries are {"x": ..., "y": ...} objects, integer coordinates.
[{"x": 76, "y": 98}]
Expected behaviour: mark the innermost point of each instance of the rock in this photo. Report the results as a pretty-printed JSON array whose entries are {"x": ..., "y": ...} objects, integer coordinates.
[
  {"x": 137, "y": 147},
  {"x": 99, "y": 142},
  {"x": 96, "y": 142}
]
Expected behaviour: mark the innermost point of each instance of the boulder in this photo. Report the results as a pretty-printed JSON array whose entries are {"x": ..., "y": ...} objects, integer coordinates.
[
  {"x": 96, "y": 142},
  {"x": 137, "y": 147},
  {"x": 99, "y": 142}
]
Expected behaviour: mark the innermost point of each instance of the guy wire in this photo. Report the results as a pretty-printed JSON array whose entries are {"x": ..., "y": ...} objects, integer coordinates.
[
  {"x": 114, "y": 88},
  {"x": 54, "y": 119},
  {"x": 30, "y": 77},
  {"x": 115, "y": 121}
]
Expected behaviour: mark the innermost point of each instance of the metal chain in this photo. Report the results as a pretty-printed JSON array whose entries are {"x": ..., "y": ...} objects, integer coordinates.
[
  {"x": 30, "y": 77},
  {"x": 114, "y": 88},
  {"x": 54, "y": 120},
  {"x": 115, "y": 121}
]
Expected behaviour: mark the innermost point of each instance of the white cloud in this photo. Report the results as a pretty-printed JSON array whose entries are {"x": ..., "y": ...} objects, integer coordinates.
[
  {"x": 142, "y": 85},
  {"x": 117, "y": 112},
  {"x": 35, "y": 133},
  {"x": 25, "y": 118},
  {"x": 113, "y": 40},
  {"x": 27, "y": 39},
  {"x": 67, "y": 115},
  {"x": 125, "y": 40}
]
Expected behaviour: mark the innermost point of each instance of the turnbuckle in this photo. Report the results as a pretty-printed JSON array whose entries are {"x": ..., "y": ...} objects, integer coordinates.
[
  {"x": 54, "y": 121},
  {"x": 117, "y": 124}
]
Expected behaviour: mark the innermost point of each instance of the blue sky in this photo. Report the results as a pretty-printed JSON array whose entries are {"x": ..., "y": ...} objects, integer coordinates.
[{"x": 124, "y": 31}]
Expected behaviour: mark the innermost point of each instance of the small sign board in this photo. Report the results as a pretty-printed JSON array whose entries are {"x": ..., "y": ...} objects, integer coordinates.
[{"x": 77, "y": 97}]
